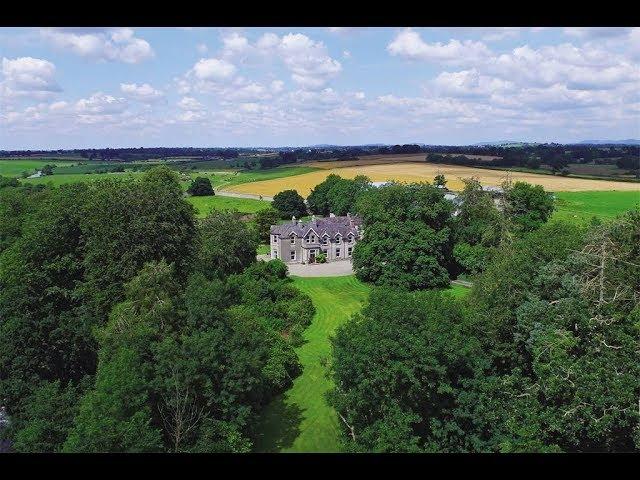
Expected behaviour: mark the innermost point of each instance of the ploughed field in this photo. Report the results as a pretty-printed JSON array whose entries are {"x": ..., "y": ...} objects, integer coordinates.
[{"x": 420, "y": 172}]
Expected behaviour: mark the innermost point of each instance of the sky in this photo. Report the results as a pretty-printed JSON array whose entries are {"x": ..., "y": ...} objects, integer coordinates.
[{"x": 66, "y": 88}]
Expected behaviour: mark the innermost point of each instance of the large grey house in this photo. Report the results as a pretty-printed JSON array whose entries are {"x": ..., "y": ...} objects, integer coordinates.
[{"x": 301, "y": 242}]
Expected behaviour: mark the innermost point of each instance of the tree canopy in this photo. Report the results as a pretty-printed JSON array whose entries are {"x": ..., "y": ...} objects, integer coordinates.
[
  {"x": 406, "y": 239},
  {"x": 200, "y": 186},
  {"x": 290, "y": 204}
]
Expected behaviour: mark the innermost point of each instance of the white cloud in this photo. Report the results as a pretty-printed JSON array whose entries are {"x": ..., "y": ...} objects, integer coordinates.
[
  {"x": 108, "y": 44},
  {"x": 346, "y": 54},
  {"x": 408, "y": 44},
  {"x": 469, "y": 83},
  {"x": 190, "y": 103},
  {"x": 213, "y": 69},
  {"x": 235, "y": 43},
  {"x": 277, "y": 86},
  {"x": 28, "y": 77},
  {"x": 191, "y": 116},
  {"x": 143, "y": 93},
  {"x": 268, "y": 41},
  {"x": 309, "y": 62},
  {"x": 202, "y": 48},
  {"x": 100, "y": 103}
]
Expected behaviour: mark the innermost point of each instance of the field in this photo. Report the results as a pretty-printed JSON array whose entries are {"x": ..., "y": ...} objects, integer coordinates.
[
  {"x": 582, "y": 206},
  {"x": 385, "y": 159},
  {"x": 57, "y": 180},
  {"x": 421, "y": 172},
  {"x": 14, "y": 168},
  {"x": 300, "y": 420},
  {"x": 204, "y": 205}
]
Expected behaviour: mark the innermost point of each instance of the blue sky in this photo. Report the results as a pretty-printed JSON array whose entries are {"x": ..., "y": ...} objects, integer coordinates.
[{"x": 132, "y": 87}]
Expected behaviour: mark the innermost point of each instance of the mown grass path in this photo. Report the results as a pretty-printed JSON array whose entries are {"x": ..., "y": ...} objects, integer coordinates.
[{"x": 300, "y": 420}]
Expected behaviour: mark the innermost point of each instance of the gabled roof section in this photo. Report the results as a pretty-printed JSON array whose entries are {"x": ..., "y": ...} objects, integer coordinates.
[{"x": 330, "y": 226}]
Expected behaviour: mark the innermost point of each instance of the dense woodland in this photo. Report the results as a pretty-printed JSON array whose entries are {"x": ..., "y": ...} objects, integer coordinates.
[
  {"x": 134, "y": 328},
  {"x": 542, "y": 356}
]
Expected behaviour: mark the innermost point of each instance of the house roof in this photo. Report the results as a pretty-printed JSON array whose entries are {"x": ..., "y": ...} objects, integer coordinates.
[{"x": 321, "y": 226}]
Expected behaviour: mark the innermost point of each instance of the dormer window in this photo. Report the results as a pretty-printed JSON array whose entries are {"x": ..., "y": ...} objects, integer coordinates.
[
  {"x": 293, "y": 239},
  {"x": 325, "y": 240},
  {"x": 350, "y": 238},
  {"x": 338, "y": 238}
]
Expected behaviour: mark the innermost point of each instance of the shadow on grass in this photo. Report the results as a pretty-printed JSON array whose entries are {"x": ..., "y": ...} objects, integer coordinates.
[{"x": 279, "y": 426}]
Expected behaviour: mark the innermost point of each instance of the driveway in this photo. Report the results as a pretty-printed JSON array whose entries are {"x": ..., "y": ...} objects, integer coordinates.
[{"x": 339, "y": 268}]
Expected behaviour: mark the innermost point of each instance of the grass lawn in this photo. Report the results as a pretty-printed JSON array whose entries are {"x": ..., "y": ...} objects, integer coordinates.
[
  {"x": 458, "y": 291},
  {"x": 206, "y": 204},
  {"x": 300, "y": 420},
  {"x": 582, "y": 206}
]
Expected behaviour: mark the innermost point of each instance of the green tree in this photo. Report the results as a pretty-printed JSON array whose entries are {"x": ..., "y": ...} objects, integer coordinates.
[
  {"x": 477, "y": 227},
  {"x": 318, "y": 199},
  {"x": 397, "y": 368},
  {"x": 406, "y": 240},
  {"x": 201, "y": 186},
  {"x": 227, "y": 244},
  {"x": 528, "y": 206},
  {"x": 440, "y": 181},
  {"x": 289, "y": 203},
  {"x": 263, "y": 221}
]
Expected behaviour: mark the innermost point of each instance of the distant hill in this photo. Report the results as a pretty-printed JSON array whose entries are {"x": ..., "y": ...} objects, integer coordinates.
[{"x": 629, "y": 141}]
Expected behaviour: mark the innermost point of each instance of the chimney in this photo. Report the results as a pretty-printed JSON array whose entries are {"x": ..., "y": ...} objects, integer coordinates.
[
  {"x": 299, "y": 222},
  {"x": 293, "y": 220},
  {"x": 313, "y": 218},
  {"x": 331, "y": 215},
  {"x": 348, "y": 215}
]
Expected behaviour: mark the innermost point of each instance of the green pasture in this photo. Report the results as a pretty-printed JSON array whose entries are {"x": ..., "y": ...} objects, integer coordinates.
[
  {"x": 582, "y": 206},
  {"x": 206, "y": 204}
]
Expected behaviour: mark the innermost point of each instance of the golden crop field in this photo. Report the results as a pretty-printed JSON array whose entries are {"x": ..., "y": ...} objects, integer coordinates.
[
  {"x": 382, "y": 159},
  {"x": 424, "y": 172}
]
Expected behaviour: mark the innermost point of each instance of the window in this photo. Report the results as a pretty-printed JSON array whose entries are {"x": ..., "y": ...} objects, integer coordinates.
[
  {"x": 325, "y": 240},
  {"x": 324, "y": 251},
  {"x": 293, "y": 239},
  {"x": 313, "y": 238},
  {"x": 350, "y": 238},
  {"x": 349, "y": 251},
  {"x": 274, "y": 254},
  {"x": 274, "y": 239},
  {"x": 337, "y": 252},
  {"x": 338, "y": 238},
  {"x": 293, "y": 255}
]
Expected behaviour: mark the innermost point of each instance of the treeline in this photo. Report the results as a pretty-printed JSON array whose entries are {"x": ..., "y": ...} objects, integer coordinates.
[
  {"x": 132, "y": 327},
  {"x": 540, "y": 357},
  {"x": 132, "y": 154}
]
